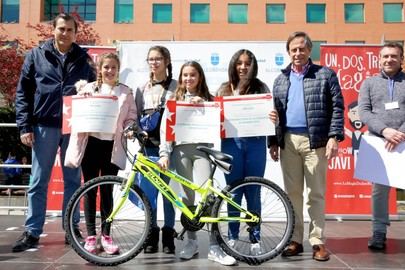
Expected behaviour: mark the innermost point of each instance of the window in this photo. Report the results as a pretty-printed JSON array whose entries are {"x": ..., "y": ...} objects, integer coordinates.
[
  {"x": 199, "y": 13},
  {"x": 237, "y": 13},
  {"x": 124, "y": 11},
  {"x": 393, "y": 13},
  {"x": 162, "y": 13},
  {"x": 86, "y": 9},
  {"x": 275, "y": 13},
  {"x": 354, "y": 13},
  {"x": 316, "y": 13},
  {"x": 316, "y": 50},
  {"x": 10, "y": 11}
]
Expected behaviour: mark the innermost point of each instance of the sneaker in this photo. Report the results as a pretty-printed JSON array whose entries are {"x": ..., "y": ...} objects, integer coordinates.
[
  {"x": 216, "y": 254},
  {"x": 26, "y": 241},
  {"x": 91, "y": 244},
  {"x": 108, "y": 245},
  {"x": 255, "y": 249},
  {"x": 377, "y": 242},
  {"x": 190, "y": 249}
]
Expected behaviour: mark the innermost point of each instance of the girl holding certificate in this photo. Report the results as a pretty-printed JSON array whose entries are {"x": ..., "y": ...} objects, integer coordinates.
[
  {"x": 151, "y": 99},
  {"x": 249, "y": 153},
  {"x": 187, "y": 160},
  {"x": 102, "y": 153}
]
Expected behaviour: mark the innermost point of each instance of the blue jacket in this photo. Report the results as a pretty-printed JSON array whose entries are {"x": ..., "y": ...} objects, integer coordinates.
[
  {"x": 45, "y": 80},
  {"x": 323, "y": 102},
  {"x": 12, "y": 172}
]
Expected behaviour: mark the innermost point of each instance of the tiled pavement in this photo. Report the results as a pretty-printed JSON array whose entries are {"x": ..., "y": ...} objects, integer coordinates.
[{"x": 346, "y": 240}]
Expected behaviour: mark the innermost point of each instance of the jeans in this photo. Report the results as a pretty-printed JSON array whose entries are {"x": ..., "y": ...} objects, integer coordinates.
[
  {"x": 380, "y": 207},
  {"x": 44, "y": 150},
  {"x": 249, "y": 159},
  {"x": 152, "y": 193}
]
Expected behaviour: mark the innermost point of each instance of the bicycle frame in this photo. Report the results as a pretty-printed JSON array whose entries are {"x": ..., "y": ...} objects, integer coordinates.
[{"x": 151, "y": 171}]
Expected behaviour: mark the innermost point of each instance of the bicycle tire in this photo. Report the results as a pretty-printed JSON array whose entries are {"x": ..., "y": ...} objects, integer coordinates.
[
  {"x": 129, "y": 230},
  {"x": 271, "y": 235}
]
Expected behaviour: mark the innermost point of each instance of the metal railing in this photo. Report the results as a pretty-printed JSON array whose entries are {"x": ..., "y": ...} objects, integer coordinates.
[{"x": 12, "y": 202}]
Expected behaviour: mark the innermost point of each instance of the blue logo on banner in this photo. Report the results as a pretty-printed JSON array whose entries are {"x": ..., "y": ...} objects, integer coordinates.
[
  {"x": 214, "y": 59},
  {"x": 279, "y": 59}
]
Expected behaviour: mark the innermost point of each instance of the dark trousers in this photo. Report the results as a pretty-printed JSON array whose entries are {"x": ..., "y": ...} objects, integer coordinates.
[{"x": 97, "y": 162}]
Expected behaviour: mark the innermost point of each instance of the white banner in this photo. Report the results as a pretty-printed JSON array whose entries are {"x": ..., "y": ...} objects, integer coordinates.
[
  {"x": 94, "y": 114},
  {"x": 213, "y": 56}
]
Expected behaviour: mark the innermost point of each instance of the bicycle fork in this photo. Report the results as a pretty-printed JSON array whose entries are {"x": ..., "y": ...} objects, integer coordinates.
[{"x": 125, "y": 188}]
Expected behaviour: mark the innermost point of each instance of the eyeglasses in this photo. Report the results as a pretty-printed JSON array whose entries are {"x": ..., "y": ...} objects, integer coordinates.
[{"x": 157, "y": 60}]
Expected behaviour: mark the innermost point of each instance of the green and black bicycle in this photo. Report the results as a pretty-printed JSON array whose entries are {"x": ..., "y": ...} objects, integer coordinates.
[{"x": 272, "y": 223}]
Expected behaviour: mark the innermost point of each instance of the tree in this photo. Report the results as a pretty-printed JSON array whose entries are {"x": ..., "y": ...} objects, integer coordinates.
[{"x": 11, "y": 60}]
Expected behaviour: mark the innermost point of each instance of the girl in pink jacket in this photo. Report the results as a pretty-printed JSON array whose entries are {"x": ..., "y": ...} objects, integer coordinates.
[{"x": 102, "y": 153}]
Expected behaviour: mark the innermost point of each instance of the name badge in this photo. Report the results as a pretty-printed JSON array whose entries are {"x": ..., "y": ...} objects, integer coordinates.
[{"x": 391, "y": 105}]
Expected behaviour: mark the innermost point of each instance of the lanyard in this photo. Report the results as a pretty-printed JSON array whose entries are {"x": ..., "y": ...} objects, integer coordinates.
[{"x": 391, "y": 89}]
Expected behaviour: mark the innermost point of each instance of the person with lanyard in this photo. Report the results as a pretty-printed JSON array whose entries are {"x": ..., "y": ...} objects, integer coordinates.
[
  {"x": 310, "y": 107},
  {"x": 152, "y": 97},
  {"x": 382, "y": 109},
  {"x": 249, "y": 153},
  {"x": 187, "y": 160},
  {"x": 49, "y": 72}
]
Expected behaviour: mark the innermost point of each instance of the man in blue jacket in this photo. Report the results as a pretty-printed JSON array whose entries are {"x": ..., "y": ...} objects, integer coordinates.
[
  {"x": 49, "y": 73},
  {"x": 310, "y": 105}
]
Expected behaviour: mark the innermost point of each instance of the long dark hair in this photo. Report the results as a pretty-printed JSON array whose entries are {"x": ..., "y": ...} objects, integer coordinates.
[
  {"x": 248, "y": 85},
  {"x": 167, "y": 60},
  {"x": 202, "y": 88}
]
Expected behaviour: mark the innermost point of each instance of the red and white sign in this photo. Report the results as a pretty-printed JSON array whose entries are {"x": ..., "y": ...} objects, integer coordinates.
[
  {"x": 346, "y": 195},
  {"x": 193, "y": 122},
  {"x": 246, "y": 115}
]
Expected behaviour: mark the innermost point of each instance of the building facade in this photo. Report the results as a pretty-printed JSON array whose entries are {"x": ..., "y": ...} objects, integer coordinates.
[{"x": 327, "y": 21}]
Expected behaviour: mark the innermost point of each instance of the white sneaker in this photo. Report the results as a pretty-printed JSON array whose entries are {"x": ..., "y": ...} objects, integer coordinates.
[
  {"x": 255, "y": 249},
  {"x": 216, "y": 254},
  {"x": 190, "y": 249}
]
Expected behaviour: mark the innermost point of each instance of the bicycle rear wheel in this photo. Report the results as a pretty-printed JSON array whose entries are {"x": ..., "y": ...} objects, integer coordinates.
[
  {"x": 254, "y": 243},
  {"x": 129, "y": 229}
]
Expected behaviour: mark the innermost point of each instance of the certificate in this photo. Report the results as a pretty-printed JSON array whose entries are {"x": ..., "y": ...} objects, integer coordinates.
[
  {"x": 199, "y": 123},
  {"x": 375, "y": 164},
  {"x": 96, "y": 113},
  {"x": 247, "y": 116}
]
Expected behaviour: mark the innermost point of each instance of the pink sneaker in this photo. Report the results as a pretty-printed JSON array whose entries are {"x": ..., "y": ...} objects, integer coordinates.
[
  {"x": 108, "y": 245},
  {"x": 91, "y": 244}
]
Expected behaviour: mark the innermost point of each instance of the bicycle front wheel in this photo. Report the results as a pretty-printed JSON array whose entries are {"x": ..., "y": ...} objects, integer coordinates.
[
  {"x": 127, "y": 232},
  {"x": 254, "y": 242}
]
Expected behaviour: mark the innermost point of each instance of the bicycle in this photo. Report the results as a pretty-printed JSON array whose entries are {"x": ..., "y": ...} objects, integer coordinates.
[{"x": 130, "y": 220}]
